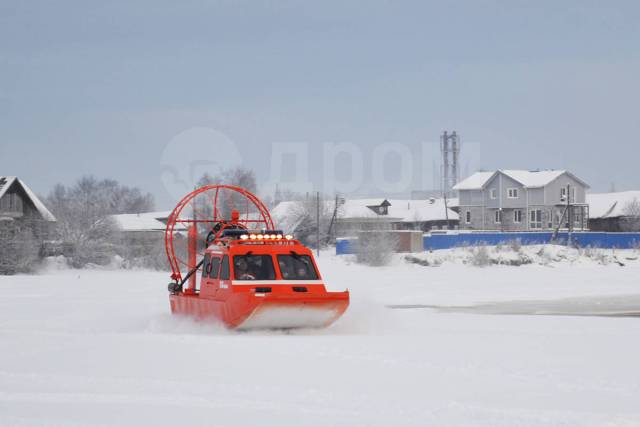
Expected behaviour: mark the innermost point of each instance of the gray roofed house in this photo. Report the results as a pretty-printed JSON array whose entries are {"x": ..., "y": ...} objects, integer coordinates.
[
  {"x": 521, "y": 200},
  {"x": 25, "y": 224},
  {"x": 18, "y": 202}
]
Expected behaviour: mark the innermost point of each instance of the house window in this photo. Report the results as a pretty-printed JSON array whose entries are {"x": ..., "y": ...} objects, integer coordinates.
[
  {"x": 563, "y": 194},
  {"x": 493, "y": 194},
  {"x": 468, "y": 217},
  {"x": 535, "y": 218},
  {"x": 517, "y": 216},
  {"x": 512, "y": 193},
  {"x": 573, "y": 194},
  {"x": 498, "y": 217}
]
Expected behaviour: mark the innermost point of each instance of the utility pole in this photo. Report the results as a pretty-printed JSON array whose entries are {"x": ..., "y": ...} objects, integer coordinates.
[
  {"x": 567, "y": 213},
  {"x": 333, "y": 224},
  {"x": 569, "y": 216},
  {"x": 318, "y": 223},
  {"x": 446, "y": 208}
]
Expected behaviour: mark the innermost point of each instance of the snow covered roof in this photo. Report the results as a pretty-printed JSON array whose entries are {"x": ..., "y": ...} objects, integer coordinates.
[
  {"x": 610, "y": 205},
  {"x": 399, "y": 210},
  {"x": 534, "y": 179},
  {"x": 474, "y": 182},
  {"x": 138, "y": 222},
  {"x": 147, "y": 221},
  {"x": 528, "y": 179},
  {"x": 423, "y": 210},
  {"x": 7, "y": 181}
]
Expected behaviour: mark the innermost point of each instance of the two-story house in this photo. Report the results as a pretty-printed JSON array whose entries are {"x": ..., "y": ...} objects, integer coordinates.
[{"x": 520, "y": 200}]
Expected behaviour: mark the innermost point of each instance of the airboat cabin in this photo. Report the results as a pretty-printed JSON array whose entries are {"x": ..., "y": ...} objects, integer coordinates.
[{"x": 521, "y": 200}]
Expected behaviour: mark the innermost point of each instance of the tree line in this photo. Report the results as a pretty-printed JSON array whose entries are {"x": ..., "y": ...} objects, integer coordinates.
[{"x": 85, "y": 232}]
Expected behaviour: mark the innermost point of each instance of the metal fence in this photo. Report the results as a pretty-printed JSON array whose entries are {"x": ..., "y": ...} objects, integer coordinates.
[{"x": 449, "y": 240}]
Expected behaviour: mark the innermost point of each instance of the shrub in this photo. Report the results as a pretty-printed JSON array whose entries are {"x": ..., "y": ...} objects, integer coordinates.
[
  {"x": 375, "y": 248},
  {"x": 480, "y": 256}
]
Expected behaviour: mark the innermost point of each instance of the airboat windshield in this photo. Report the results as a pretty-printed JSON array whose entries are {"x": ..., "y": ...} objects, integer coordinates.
[
  {"x": 253, "y": 267},
  {"x": 297, "y": 267}
]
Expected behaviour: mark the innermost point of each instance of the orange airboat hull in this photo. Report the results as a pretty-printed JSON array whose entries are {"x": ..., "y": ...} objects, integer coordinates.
[{"x": 248, "y": 310}]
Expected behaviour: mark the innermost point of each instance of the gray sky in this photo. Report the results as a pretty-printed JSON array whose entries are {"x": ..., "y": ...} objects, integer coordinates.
[{"x": 103, "y": 88}]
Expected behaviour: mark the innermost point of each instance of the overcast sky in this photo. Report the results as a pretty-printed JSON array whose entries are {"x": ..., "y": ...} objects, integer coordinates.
[{"x": 105, "y": 88}]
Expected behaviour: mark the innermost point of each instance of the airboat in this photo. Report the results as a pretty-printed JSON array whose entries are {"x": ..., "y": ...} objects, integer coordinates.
[{"x": 229, "y": 263}]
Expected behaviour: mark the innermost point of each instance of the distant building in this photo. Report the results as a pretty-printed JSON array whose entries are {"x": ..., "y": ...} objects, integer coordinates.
[
  {"x": 611, "y": 211},
  {"x": 519, "y": 200},
  {"x": 141, "y": 237},
  {"x": 355, "y": 215},
  {"x": 25, "y": 225},
  {"x": 19, "y": 203},
  {"x": 150, "y": 223},
  {"x": 144, "y": 227}
]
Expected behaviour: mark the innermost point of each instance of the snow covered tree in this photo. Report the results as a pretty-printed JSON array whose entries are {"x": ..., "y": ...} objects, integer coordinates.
[
  {"x": 83, "y": 212},
  {"x": 303, "y": 214}
]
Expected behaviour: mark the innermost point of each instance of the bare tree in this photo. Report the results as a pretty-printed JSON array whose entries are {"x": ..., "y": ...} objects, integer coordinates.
[
  {"x": 631, "y": 211},
  {"x": 238, "y": 176}
]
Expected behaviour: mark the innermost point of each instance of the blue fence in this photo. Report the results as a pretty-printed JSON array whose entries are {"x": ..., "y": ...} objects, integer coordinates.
[
  {"x": 594, "y": 239},
  {"x": 580, "y": 239},
  {"x": 345, "y": 246}
]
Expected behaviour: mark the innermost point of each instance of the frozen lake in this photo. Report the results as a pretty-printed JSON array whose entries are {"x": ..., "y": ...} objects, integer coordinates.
[{"x": 100, "y": 348}]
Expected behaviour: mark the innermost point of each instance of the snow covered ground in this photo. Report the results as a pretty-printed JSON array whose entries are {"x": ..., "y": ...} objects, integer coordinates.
[{"x": 100, "y": 348}]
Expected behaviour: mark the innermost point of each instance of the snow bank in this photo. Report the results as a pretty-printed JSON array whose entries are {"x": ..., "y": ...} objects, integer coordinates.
[{"x": 517, "y": 255}]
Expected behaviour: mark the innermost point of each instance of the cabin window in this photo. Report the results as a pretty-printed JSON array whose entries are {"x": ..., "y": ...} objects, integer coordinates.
[
  {"x": 253, "y": 267},
  {"x": 493, "y": 193},
  {"x": 297, "y": 267},
  {"x": 512, "y": 193},
  {"x": 206, "y": 266},
  {"x": 517, "y": 216},
  {"x": 214, "y": 267},
  {"x": 563, "y": 194},
  {"x": 468, "y": 217},
  {"x": 498, "y": 217},
  {"x": 224, "y": 268}
]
